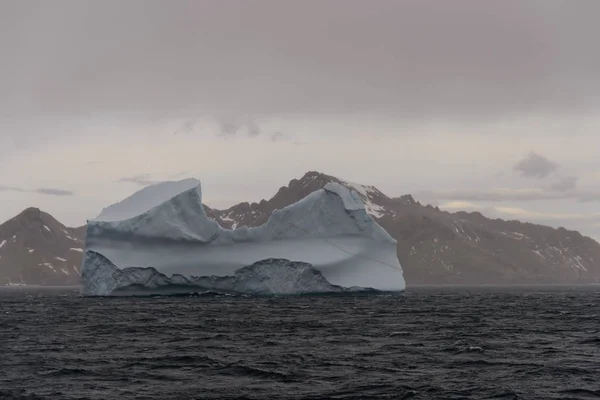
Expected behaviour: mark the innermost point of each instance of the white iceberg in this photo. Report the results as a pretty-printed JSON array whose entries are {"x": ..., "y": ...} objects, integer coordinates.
[{"x": 175, "y": 245}]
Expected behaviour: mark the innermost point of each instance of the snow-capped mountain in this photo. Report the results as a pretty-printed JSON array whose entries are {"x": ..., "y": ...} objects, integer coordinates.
[
  {"x": 36, "y": 249},
  {"x": 434, "y": 247},
  {"x": 437, "y": 247}
]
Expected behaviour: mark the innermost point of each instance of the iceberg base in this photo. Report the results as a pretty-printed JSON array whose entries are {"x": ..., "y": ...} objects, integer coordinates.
[{"x": 266, "y": 277}]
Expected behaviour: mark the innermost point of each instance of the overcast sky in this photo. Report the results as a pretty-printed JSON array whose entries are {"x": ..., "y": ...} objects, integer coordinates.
[{"x": 474, "y": 105}]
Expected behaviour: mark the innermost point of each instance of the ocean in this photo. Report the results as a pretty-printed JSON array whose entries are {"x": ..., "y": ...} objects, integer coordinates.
[{"x": 427, "y": 343}]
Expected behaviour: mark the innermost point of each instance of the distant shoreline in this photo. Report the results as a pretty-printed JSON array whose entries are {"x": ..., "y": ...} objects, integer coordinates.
[
  {"x": 408, "y": 287},
  {"x": 38, "y": 287}
]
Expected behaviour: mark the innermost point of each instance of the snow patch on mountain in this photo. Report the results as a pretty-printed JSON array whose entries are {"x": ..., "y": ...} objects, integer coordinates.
[{"x": 49, "y": 266}]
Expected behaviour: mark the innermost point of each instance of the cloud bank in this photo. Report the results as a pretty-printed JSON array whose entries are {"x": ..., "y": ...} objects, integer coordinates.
[
  {"x": 42, "y": 191},
  {"x": 414, "y": 58},
  {"x": 535, "y": 166}
]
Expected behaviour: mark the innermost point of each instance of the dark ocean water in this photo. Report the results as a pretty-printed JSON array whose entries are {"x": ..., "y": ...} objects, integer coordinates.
[{"x": 429, "y": 343}]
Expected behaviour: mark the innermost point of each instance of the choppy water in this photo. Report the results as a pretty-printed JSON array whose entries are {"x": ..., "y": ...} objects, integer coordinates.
[{"x": 497, "y": 343}]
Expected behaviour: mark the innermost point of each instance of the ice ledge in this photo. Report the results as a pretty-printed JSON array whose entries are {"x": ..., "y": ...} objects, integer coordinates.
[{"x": 265, "y": 277}]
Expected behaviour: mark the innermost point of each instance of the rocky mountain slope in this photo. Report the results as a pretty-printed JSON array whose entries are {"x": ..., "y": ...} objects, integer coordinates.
[
  {"x": 434, "y": 246},
  {"x": 437, "y": 247},
  {"x": 36, "y": 249}
]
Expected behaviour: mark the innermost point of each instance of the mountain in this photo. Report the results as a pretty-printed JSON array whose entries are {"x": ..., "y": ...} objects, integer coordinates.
[
  {"x": 437, "y": 247},
  {"x": 434, "y": 246},
  {"x": 36, "y": 249}
]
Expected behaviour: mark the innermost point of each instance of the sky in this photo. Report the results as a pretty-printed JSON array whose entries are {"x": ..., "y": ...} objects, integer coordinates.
[{"x": 468, "y": 105}]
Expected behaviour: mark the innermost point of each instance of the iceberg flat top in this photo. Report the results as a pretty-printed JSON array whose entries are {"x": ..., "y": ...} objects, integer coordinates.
[{"x": 146, "y": 199}]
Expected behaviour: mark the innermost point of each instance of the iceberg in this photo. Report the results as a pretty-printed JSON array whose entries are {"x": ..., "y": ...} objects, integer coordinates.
[{"x": 326, "y": 242}]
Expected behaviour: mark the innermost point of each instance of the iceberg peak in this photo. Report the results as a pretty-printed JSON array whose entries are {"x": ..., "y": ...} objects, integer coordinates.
[{"x": 146, "y": 199}]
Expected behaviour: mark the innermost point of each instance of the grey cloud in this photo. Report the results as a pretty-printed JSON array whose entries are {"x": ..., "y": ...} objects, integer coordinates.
[
  {"x": 179, "y": 174},
  {"x": 142, "y": 180},
  {"x": 564, "y": 184},
  {"x": 253, "y": 129},
  {"x": 413, "y": 58},
  {"x": 564, "y": 189},
  {"x": 54, "y": 192},
  {"x": 278, "y": 137},
  {"x": 232, "y": 125},
  {"x": 13, "y": 189},
  {"x": 229, "y": 126},
  {"x": 186, "y": 128},
  {"x": 495, "y": 195},
  {"x": 42, "y": 191},
  {"x": 535, "y": 166},
  {"x": 590, "y": 198}
]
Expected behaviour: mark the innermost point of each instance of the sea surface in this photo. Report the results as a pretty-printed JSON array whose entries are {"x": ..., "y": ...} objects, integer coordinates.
[{"x": 428, "y": 343}]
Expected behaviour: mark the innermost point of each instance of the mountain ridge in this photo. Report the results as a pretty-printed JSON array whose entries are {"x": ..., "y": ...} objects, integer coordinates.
[
  {"x": 439, "y": 247},
  {"x": 434, "y": 246}
]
